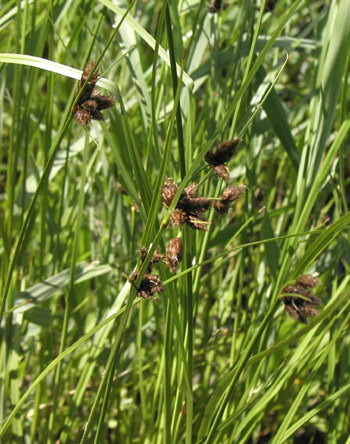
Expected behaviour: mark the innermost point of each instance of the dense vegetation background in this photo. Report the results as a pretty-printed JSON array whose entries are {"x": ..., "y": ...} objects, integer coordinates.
[{"x": 215, "y": 358}]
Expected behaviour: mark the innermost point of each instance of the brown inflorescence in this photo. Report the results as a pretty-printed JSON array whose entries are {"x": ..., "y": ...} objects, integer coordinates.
[
  {"x": 173, "y": 254},
  {"x": 90, "y": 102},
  {"x": 217, "y": 6},
  {"x": 156, "y": 257},
  {"x": 229, "y": 195},
  {"x": 222, "y": 154},
  {"x": 303, "y": 307},
  {"x": 190, "y": 208},
  {"x": 149, "y": 285}
]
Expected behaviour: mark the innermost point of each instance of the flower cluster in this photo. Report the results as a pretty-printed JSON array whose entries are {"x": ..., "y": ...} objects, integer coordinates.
[
  {"x": 173, "y": 253},
  {"x": 221, "y": 155},
  {"x": 90, "y": 102},
  {"x": 217, "y": 6},
  {"x": 190, "y": 208},
  {"x": 150, "y": 283},
  {"x": 299, "y": 303},
  {"x": 230, "y": 194}
]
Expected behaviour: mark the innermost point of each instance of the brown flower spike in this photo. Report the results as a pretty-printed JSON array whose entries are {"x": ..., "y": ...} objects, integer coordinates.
[
  {"x": 190, "y": 208},
  {"x": 222, "y": 154},
  {"x": 150, "y": 284},
  {"x": 229, "y": 195},
  {"x": 156, "y": 257},
  {"x": 91, "y": 102},
  {"x": 217, "y": 6},
  {"x": 173, "y": 254},
  {"x": 303, "y": 307}
]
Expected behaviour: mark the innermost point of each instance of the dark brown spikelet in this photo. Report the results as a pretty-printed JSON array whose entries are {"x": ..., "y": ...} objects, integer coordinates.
[
  {"x": 229, "y": 195},
  {"x": 222, "y": 153},
  {"x": 303, "y": 307},
  {"x": 197, "y": 222},
  {"x": 194, "y": 204},
  {"x": 173, "y": 254},
  {"x": 90, "y": 85},
  {"x": 168, "y": 192},
  {"x": 191, "y": 203},
  {"x": 156, "y": 257},
  {"x": 190, "y": 207},
  {"x": 190, "y": 191},
  {"x": 150, "y": 284},
  {"x": 308, "y": 281},
  {"x": 217, "y": 6},
  {"x": 270, "y": 5},
  {"x": 91, "y": 102},
  {"x": 223, "y": 172},
  {"x": 178, "y": 217}
]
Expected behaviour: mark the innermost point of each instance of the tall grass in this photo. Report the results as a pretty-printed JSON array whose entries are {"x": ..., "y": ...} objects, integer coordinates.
[{"x": 214, "y": 358}]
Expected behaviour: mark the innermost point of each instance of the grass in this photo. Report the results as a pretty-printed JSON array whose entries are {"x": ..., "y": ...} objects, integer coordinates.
[{"x": 214, "y": 358}]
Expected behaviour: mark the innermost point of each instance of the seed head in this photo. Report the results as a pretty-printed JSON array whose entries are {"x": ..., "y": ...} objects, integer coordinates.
[
  {"x": 190, "y": 207},
  {"x": 197, "y": 222},
  {"x": 190, "y": 191},
  {"x": 194, "y": 204},
  {"x": 308, "y": 281},
  {"x": 90, "y": 85},
  {"x": 173, "y": 254},
  {"x": 229, "y": 195},
  {"x": 168, "y": 192},
  {"x": 222, "y": 153},
  {"x": 156, "y": 257},
  {"x": 217, "y": 6},
  {"x": 303, "y": 307},
  {"x": 91, "y": 102},
  {"x": 178, "y": 217},
  {"x": 150, "y": 284},
  {"x": 223, "y": 172}
]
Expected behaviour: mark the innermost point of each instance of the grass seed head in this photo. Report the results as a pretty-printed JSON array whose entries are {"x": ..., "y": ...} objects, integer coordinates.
[
  {"x": 168, "y": 192},
  {"x": 173, "y": 255},
  {"x": 156, "y": 257},
  {"x": 222, "y": 153},
  {"x": 91, "y": 102},
  {"x": 308, "y": 281},
  {"x": 149, "y": 286},
  {"x": 190, "y": 207},
  {"x": 190, "y": 191},
  {"x": 178, "y": 217},
  {"x": 223, "y": 172},
  {"x": 217, "y": 6},
  {"x": 90, "y": 85},
  {"x": 303, "y": 307},
  {"x": 229, "y": 195},
  {"x": 197, "y": 222}
]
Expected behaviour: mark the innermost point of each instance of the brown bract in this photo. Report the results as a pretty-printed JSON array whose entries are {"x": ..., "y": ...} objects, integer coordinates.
[
  {"x": 90, "y": 102},
  {"x": 302, "y": 305}
]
